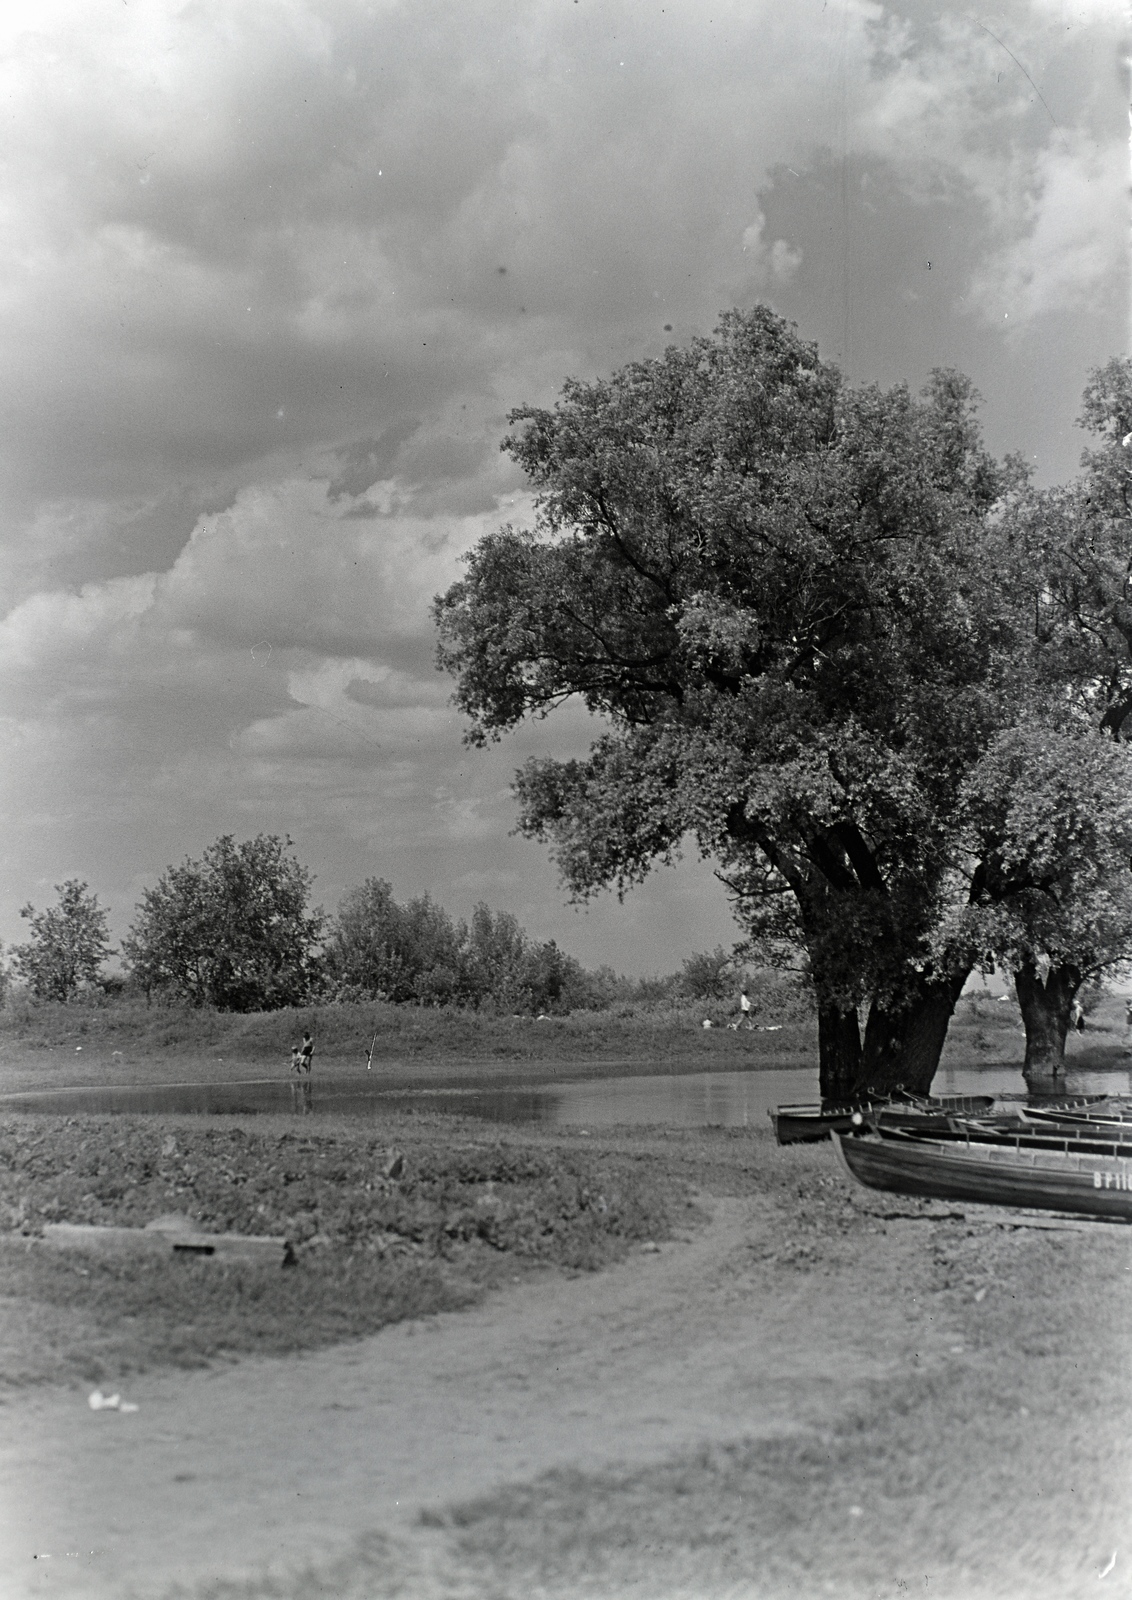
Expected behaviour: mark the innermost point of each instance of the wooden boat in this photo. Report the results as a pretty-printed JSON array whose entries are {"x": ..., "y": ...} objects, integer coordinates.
[
  {"x": 1020, "y": 1136},
  {"x": 991, "y": 1173},
  {"x": 1108, "y": 1114},
  {"x": 799, "y": 1123}
]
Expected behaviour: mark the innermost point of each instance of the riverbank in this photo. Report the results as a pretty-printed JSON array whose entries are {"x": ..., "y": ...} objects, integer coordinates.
[
  {"x": 742, "y": 1378},
  {"x": 48, "y": 1046},
  {"x": 53, "y": 1047}
]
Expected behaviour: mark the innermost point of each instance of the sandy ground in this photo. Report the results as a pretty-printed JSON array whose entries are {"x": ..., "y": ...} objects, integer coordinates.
[{"x": 273, "y": 1464}]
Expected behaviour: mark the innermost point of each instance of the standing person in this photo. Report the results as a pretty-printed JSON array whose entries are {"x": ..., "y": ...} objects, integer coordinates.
[
  {"x": 1128, "y": 1024},
  {"x": 1077, "y": 1016},
  {"x": 745, "y": 1008},
  {"x": 296, "y": 1060},
  {"x": 306, "y": 1051}
]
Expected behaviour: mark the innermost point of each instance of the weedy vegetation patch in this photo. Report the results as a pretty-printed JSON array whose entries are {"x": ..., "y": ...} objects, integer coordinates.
[{"x": 383, "y": 1225}]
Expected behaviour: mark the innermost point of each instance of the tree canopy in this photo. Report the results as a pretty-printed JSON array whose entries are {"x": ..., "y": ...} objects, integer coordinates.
[
  {"x": 231, "y": 930},
  {"x": 1078, "y": 539},
  {"x": 417, "y": 951},
  {"x": 1051, "y": 892},
  {"x": 68, "y": 943},
  {"x": 1046, "y": 831},
  {"x": 785, "y": 600}
]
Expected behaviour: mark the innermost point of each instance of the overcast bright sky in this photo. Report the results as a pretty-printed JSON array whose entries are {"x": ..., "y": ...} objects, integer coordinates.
[{"x": 275, "y": 270}]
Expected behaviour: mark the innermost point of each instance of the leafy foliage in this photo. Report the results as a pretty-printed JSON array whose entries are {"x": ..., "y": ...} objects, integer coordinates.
[
  {"x": 1051, "y": 893},
  {"x": 68, "y": 944},
  {"x": 785, "y": 600},
  {"x": 1075, "y": 542},
  {"x": 231, "y": 930},
  {"x": 1049, "y": 814},
  {"x": 416, "y": 951},
  {"x": 379, "y": 948},
  {"x": 708, "y": 975}
]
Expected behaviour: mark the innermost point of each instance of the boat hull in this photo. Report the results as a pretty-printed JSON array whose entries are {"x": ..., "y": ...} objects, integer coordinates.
[
  {"x": 1080, "y": 1184},
  {"x": 801, "y": 1124}
]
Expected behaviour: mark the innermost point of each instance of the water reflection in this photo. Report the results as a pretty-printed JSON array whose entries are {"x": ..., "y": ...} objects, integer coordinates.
[
  {"x": 1009, "y": 1082},
  {"x": 688, "y": 1100},
  {"x": 302, "y": 1097}
]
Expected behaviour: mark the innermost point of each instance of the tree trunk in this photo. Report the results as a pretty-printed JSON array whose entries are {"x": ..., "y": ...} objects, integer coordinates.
[
  {"x": 1045, "y": 1014},
  {"x": 903, "y": 1044},
  {"x": 839, "y": 1053},
  {"x": 901, "y": 1049},
  {"x": 927, "y": 1034}
]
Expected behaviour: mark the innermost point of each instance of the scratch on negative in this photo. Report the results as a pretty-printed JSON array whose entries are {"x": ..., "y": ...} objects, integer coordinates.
[{"x": 1029, "y": 80}]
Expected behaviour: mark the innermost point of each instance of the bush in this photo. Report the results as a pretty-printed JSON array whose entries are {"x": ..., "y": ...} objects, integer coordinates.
[
  {"x": 68, "y": 944},
  {"x": 417, "y": 952},
  {"x": 708, "y": 976},
  {"x": 231, "y": 930}
]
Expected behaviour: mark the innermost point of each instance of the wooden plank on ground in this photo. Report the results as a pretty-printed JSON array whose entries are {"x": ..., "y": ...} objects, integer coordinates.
[{"x": 165, "y": 1241}]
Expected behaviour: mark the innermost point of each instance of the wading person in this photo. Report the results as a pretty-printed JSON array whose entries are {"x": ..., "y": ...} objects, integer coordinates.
[{"x": 306, "y": 1051}]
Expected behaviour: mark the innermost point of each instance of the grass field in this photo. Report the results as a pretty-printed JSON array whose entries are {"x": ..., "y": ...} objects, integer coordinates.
[{"x": 1002, "y": 1474}]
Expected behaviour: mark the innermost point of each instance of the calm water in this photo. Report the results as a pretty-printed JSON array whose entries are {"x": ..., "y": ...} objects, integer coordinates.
[{"x": 691, "y": 1100}]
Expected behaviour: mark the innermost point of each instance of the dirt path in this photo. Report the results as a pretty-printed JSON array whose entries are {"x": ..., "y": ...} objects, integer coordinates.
[{"x": 276, "y": 1464}]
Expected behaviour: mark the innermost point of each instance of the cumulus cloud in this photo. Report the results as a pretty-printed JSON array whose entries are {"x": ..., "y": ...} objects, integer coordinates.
[
  {"x": 284, "y": 575},
  {"x": 1075, "y": 241},
  {"x": 774, "y": 263},
  {"x": 1020, "y": 111},
  {"x": 274, "y": 273}
]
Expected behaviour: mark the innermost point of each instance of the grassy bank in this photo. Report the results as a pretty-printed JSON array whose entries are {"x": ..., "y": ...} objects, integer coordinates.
[
  {"x": 999, "y": 1473},
  {"x": 370, "y": 1249},
  {"x": 467, "y": 1209},
  {"x": 51, "y": 1046},
  {"x": 48, "y": 1046}
]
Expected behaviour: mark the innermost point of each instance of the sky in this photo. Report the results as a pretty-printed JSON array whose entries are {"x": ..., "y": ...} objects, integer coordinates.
[{"x": 274, "y": 273}]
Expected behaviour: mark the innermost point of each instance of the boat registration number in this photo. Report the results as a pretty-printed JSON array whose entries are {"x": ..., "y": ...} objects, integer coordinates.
[{"x": 1112, "y": 1180}]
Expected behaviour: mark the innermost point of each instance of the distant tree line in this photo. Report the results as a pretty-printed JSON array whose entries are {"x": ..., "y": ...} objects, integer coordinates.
[
  {"x": 378, "y": 949},
  {"x": 234, "y": 930}
]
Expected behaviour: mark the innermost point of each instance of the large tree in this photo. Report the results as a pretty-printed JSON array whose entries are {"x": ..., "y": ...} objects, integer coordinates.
[
  {"x": 782, "y": 597},
  {"x": 1070, "y": 551},
  {"x": 68, "y": 943},
  {"x": 1077, "y": 541},
  {"x": 232, "y": 930},
  {"x": 1047, "y": 819}
]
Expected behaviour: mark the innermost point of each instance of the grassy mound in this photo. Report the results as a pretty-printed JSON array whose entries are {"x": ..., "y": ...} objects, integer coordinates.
[{"x": 370, "y": 1248}]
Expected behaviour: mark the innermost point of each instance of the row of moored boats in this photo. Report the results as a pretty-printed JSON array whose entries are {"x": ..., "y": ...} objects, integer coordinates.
[{"x": 1071, "y": 1155}]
